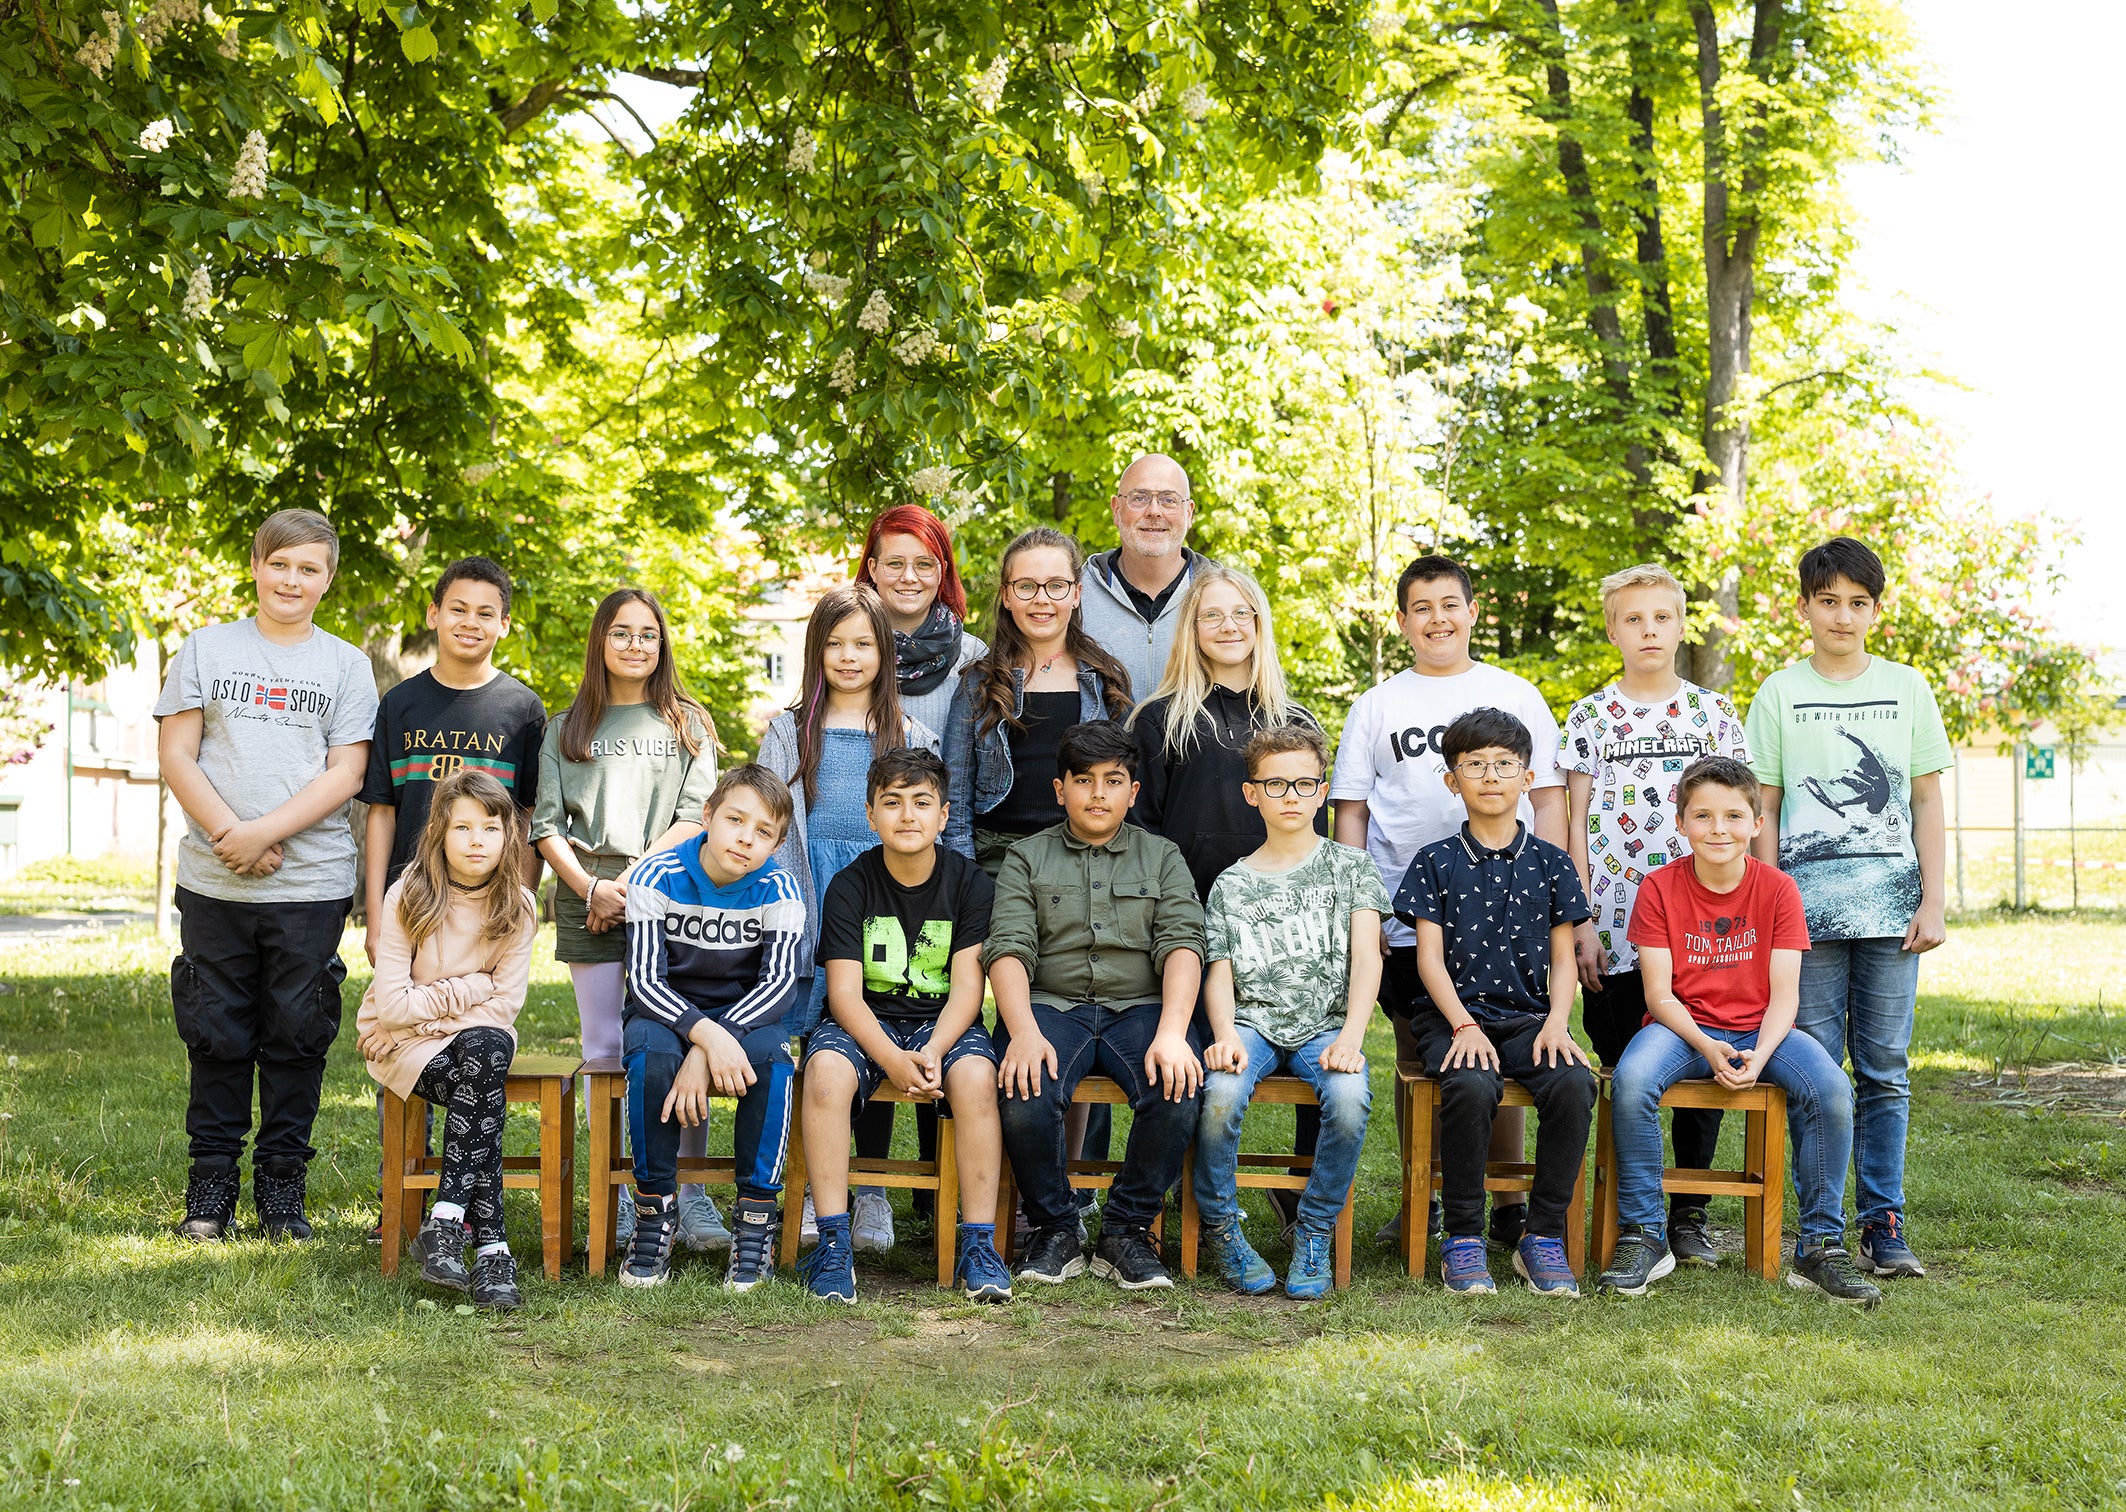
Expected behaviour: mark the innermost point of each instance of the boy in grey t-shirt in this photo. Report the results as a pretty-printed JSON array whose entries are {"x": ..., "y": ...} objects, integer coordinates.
[
  {"x": 264, "y": 738},
  {"x": 1294, "y": 966}
]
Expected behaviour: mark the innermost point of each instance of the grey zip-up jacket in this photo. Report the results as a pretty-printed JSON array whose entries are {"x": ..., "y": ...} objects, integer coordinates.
[{"x": 1112, "y": 620}]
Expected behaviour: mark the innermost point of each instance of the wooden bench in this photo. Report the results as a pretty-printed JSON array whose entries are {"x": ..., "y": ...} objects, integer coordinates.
[
  {"x": 1085, "y": 1175},
  {"x": 1422, "y": 1177},
  {"x": 611, "y": 1168},
  {"x": 1761, "y": 1184},
  {"x": 1281, "y": 1178},
  {"x": 941, "y": 1176},
  {"x": 547, "y": 1080}
]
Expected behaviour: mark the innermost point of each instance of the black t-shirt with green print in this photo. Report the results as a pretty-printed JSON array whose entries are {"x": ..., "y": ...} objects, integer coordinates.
[{"x": 905, "y": 937}]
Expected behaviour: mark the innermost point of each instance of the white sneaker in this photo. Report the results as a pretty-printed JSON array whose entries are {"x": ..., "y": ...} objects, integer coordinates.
[
  {"x": 700, "y": 1225},
  {"x": 808, "y": 1228},
  {"x": 871, "y": 1222}
]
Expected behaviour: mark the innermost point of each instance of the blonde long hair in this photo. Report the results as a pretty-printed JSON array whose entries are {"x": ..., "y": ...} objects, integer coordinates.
[
  {"x": 1186, "y": 684},
  {"x": 425, "y": 890}
]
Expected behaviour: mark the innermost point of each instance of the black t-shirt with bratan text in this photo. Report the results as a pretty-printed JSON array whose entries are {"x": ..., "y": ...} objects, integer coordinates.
[
  {"x": 425, "y": 732},
  {"x": 905, "y": 937}
]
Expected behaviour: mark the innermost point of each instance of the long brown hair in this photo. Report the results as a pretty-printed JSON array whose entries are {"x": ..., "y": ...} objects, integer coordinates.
[
  {"x": 989, "y": 677},
  {"x": 884, "y": 714},
  {"x": 665, "y": 692},
  {"x": 425, "y": 889}
]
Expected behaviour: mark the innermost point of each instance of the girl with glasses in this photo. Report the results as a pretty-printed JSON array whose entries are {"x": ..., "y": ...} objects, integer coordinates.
[
  {"x": 1041, "y": 675},
  {"x": 622, "y": 773}
]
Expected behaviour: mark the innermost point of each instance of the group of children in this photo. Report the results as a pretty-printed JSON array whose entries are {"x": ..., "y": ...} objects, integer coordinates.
[{"x": 862, "y": 888}]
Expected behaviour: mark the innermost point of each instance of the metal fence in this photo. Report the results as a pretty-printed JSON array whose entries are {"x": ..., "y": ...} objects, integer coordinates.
[{"x": 2029, "y": 829}]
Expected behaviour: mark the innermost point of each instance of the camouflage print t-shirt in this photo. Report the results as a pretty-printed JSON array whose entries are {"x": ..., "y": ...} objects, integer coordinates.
[{"x": 1288, "y": 935}]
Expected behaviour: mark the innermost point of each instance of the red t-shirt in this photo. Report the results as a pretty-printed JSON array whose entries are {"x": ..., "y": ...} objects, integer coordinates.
[{"x": 1721, "y": 944}]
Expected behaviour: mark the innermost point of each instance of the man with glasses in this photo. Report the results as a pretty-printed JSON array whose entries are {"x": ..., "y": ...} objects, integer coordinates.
[{"x": 1133, "y": 593}]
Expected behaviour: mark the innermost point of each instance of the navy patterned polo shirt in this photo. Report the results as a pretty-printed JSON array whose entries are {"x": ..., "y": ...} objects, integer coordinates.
[{"x": 1496, "y": 909}]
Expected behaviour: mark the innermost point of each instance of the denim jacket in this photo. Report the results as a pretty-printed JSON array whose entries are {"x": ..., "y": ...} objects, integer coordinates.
[{"x": 981, "y": 769}]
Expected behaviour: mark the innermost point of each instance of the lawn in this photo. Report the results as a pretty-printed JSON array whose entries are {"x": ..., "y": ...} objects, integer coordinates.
[{"x": 143, "y": 1372}]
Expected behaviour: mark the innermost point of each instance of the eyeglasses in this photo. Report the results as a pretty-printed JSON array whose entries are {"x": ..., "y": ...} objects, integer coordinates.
[
  {"x": 1214, "y": 619},
  {"x": 1025, "y": 590},
  {"x": 1505, "y": 770},
  {"x": 620, "y": 640},
  {"x": 1298, "y": 787},
  {"x": 925, "y": 568},
  {"x": 1137, "y": 500}
]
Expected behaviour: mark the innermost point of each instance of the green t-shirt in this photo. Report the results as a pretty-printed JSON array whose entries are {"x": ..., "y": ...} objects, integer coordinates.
[
  {"x": 1288, "y": 935},
  {"x": 1844, "y": 755}
]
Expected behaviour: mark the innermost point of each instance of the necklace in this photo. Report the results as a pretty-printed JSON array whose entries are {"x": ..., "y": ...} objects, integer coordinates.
[{"x": 1038, "y": 671}]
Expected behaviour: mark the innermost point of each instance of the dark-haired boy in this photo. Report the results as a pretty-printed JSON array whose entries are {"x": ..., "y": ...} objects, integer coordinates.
[
  {"x": 1721, "y": 940},
  {"x": 1494, "y": 909},
  {"x": 1095, "y": 953},
  {"x": 264, "y": 728},
  {"x": 715, "y": 927},
  {"x": 1850, "y": 749},
  {"x": 900, "y": 940},
  {"x": 1391, "y": 800}
]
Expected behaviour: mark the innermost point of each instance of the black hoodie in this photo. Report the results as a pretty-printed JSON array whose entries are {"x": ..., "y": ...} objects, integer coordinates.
[{"x": 1195, "y": 801}]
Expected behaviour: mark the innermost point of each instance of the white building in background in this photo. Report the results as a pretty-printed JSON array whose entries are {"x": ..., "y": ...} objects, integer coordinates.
[
  {"x": 90, "y": 790},
  {"x": 780, "y": 618}
]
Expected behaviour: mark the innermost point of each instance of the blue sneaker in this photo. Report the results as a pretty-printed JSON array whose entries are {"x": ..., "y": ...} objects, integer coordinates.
[
  {"x": 1540, "y": 1261},
  {"x": 829, "y": 1269},
  {"x": 1883, "y": 1251},
  {"x": 1462, "y": 1267},
  {"x": 1244, "y": 1270},
  {"x": 980, "y": 1271},
  {"x": 1312, "y": 1272}
]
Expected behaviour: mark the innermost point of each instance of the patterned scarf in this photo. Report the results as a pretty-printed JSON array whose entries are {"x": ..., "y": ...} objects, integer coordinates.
[{"x": 923, "y": 660}]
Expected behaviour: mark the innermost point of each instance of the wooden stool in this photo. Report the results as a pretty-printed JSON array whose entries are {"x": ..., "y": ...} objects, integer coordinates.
[
  {"x": 1761, "y": 1185},
  {"x": 1421, "y": 1174},
  {"x": 549, "y": 1081},
  {"x": 1271, "y": 1089},
  {"x": 605, "y": 1094},
  {"x": 941, "y": 1176},
  {"x": 1085, "y": 1175}
]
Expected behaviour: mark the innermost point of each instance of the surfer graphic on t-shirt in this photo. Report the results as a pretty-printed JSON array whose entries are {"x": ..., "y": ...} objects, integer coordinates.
[{"x": 1868, "y": 783}]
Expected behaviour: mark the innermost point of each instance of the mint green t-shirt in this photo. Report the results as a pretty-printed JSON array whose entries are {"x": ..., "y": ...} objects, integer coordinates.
[{"x": 1844, "y": 755}]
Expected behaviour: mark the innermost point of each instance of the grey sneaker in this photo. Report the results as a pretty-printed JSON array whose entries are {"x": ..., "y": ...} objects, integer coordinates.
[
  {"x": 623, "y": 1221},
  {"x": 871, "y": 1222},
  {"x": 1690, "y": 1240},
  {"x": 1641, "y": 1260},
  {"x": 1829, "y": 1270},
  {"x": 700, "y": 1225}
]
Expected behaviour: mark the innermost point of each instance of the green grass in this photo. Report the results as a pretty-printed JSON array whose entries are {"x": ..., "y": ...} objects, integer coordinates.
[
  {"x": 63, "y": 884},
  {"x": 142, "y": 1372}
]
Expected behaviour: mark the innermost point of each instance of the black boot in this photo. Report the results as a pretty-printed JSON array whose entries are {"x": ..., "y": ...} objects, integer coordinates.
[
  {"x": 277, "y": 1189},
  {"x": 210, "y": 1199}
]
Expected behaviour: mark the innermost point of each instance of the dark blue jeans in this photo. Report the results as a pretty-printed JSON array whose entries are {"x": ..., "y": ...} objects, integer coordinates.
[
  {"x": 1093, "y": 1040},
  {"x": 652, "y": 1054}
]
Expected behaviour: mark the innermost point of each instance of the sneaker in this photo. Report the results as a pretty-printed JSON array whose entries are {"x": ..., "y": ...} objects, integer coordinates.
[
  {"x": 1540, "y": 1261},
  {"x": 1235, "y": 1259},
  {"x": 438, "y": 1247},
  {"x": 1391, "y": 1232},
  {"x": 1313, "y": 1270},
  {"x": 210, "y": 1201},
  {"x": 1054, "y": 1255},
  {"x": 1883, "y": 1251},
  {"x": 375, "y": 1237},
  {"x": 871, "y": 1222},
  {"x": 1284, "y": 1207},
  {"x": 277, "y": 1190},
  {"x": 1509, "y": 1223},
  {"x": 1690, "y": 1241},
  {"x": 623, "y": 1222},
  {"x": 1462, "y": 1267},
  {"x": 649, "y": 1252},
  {"x": 980, "y": 1272},
  {"x": 1125, "y": 1256},
  {"x": 808, "y": 1225},
  {"x": 1829, "y": 1269},
  {"x": 700, "y": 1225},
  {"x": 1641, "y": 1260},
  {"x": 829, "y": 1271},
  {"x": 752, "y": 1244},
  {"x": 494, "y": 1282}
]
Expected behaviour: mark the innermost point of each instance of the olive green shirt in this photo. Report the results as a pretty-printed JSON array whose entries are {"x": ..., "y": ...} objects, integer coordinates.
[{"x": 1094, "y": 924}]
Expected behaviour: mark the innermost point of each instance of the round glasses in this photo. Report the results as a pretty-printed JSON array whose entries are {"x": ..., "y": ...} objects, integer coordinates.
[
  {"x": 620, "y": 640},
  {"x": 1215, "y": 619},
  {"x": 1298, "y": 787},
  {"x": 1026, "y": 590},
  {"x": 1505, "y": 770}
]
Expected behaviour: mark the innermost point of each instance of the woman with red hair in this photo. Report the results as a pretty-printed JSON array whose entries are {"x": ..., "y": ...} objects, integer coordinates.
[{"x": 908, "y": 560}]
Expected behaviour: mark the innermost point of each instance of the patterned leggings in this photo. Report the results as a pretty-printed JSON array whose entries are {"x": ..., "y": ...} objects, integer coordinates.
[{"x": 468, "y": 1081}]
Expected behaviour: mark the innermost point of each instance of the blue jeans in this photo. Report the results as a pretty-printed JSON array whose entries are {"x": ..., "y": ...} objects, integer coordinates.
[
  {"x": 652, "y": 1054},
  {"x": 1346, "y": 1099},
  {"x": 1819, "y": 1117},
  {"x": 1857, "y": 998}
]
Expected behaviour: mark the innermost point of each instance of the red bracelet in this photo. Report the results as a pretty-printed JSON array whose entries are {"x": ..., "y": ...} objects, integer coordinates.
[{"x": 1472, "y": 1024}]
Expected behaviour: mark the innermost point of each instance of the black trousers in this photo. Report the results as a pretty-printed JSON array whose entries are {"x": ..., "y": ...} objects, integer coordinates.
[
  {"x": 470, "y": 1082},
  {"x": 1611, "y": 1017},
  {"x": 256, "y": 997},
  {"x": 1469, "y": 1099}
]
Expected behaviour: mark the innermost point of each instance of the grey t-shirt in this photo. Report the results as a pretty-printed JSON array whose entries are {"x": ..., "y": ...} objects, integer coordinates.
[
  {"x": 270, "y": 713},
  {"x": 639, "y": 782}
]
